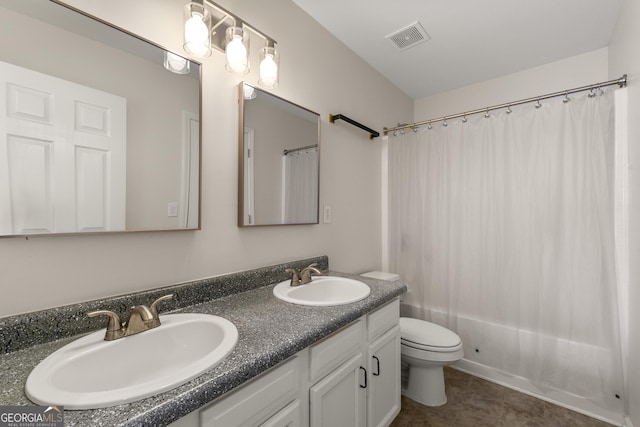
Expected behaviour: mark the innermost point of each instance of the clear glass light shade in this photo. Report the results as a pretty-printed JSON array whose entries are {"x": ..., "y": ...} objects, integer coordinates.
[
  {"x": 269, "y": 67},
  {"x": 176, "y": 63},
  {"x": 237, "y": 50},
  {"x": 249, "y": 92},
  {"x": 197, "y": 30}
]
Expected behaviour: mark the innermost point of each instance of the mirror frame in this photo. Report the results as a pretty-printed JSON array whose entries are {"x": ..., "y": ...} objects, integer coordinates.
[
  {"x": 126, "y": 32},
  {"x": 241, "y": 150}
]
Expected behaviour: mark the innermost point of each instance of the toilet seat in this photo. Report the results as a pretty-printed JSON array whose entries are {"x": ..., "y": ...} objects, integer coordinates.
[
  {"x": 427, "y": 336},
  {"x": 423, "y": 347}
]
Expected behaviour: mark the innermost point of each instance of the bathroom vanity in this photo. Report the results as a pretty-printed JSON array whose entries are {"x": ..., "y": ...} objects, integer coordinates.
[
  {"x": 292, "y": 364},
  {"x": 350, "y": 378}
]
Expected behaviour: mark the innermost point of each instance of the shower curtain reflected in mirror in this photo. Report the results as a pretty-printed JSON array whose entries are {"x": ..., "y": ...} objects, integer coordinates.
[
  {"x": 503, "y": 229},
  {"x": 300, "y": 186}
]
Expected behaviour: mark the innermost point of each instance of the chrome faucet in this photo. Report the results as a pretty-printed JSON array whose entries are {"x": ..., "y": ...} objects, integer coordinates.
[
  {"x": 141, "y": 318},
  {"x": 303, "y": 276}
]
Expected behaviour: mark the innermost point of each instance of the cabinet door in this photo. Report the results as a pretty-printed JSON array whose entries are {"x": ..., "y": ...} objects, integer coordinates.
[
  {"x": 339, "y": 398},
  {"x": 383, "y": 403}
]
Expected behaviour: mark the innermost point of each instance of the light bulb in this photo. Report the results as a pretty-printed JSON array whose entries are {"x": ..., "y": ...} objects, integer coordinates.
[
  {"x": 237, "y": 55},
  {"x": 269, "y": 67},
  {"x": 196, "y": 36},
  {"x": 268, "y": 71}
]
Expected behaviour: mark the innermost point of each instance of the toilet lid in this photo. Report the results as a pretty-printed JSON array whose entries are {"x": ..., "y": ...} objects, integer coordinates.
[{"x": 429, "y": 336}]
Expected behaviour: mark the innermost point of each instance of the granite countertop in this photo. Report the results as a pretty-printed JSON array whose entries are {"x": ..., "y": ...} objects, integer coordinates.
[{"x": 270, "y": 331}]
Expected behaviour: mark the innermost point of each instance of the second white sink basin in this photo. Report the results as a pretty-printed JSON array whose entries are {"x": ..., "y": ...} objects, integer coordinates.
[
  {"x": 91, "y": 373},
  {"x": 323, "y": 291}
]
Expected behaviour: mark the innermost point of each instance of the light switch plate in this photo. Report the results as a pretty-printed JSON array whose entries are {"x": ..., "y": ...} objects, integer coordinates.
[
  {"x": 326, "y": 215},
  {"x": 172, "y": 209}
]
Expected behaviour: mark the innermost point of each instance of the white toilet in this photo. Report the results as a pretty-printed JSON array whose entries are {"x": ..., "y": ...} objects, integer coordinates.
[{"x": 425, "y": 349}]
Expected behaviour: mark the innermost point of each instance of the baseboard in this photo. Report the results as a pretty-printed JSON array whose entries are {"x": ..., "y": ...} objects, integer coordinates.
[{"x": 567, "y": 400}]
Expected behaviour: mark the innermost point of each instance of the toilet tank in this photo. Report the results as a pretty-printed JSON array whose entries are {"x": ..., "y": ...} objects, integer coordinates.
[{"x": 381, "y": 275}]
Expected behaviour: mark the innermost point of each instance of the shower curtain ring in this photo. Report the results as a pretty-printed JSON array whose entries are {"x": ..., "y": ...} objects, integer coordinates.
[
  {"x": 566, "y": 97},
  {"x": 464, "y": 119},
  {"x": 538, "y": 105},
  {"x": 509, "y": 111},
  {"x": 486, "y": 114},
  {"x": 445, "y": 124},
  {"x": 429, "y": 126}
]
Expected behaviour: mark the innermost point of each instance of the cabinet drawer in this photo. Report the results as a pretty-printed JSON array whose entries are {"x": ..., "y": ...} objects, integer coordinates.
[
  {"x": 255, "y": 402},
  {"x": 383, "y": 319},
  {"x": 329, "y": 353},
  {"x": 287, "y": 417}
]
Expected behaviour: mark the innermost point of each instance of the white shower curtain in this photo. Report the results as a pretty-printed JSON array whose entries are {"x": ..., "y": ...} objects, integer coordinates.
[
  {"x": 300, "y": 186},
  {"x": 503, "y": 229}
]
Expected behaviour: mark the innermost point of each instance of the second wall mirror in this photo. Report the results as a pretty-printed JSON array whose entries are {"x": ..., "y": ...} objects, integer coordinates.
[{"x": 278, "y": 161}]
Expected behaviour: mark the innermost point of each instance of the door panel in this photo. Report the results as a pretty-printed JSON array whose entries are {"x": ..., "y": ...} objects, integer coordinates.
[{"x": 29, "y": 189}]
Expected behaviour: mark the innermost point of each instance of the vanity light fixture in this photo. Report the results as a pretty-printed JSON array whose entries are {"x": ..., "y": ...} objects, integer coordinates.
[{"x": 228, "y": 34}]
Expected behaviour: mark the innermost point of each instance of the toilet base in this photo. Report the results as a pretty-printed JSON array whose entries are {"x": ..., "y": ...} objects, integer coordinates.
[{"x": 425, "y": 385}]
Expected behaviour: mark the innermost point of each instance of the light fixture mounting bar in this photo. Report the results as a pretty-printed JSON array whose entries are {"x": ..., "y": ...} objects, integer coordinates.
[{"x": 225, "y": 19}]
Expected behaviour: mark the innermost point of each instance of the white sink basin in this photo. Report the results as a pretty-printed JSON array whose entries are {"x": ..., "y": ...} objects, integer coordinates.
[
  {"x": 323, "y": 291},
  {"x": 92, "y": 373}
]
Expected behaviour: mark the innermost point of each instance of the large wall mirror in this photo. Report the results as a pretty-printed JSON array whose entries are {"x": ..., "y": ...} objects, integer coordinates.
[
  {"x": 279, "y": 161},
  {"x": 99, "y": 129}
]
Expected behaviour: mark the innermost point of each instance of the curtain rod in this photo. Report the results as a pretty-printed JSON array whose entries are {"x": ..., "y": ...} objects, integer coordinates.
[
  {"x": 293, "y": 150},
  {"x": 622, "y": 82}
]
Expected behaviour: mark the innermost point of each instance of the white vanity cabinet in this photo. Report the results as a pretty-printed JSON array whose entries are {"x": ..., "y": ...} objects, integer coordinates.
[
  {"x": 353, "y": 391},
  {"x": 383, "y": 391},
  {"x": 350, "y": 378}
]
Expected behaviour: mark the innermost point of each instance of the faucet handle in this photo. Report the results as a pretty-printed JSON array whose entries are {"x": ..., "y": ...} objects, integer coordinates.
[
  {"x": 307, "y": 272},
  {"x": 114, "y": 325},
  {"x": 295, "y": 277},
  {"x": 154, "y": 305}
]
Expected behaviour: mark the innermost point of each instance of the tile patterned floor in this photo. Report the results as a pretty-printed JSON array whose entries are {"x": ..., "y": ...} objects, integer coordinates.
[{"x": 473, "y": 402}]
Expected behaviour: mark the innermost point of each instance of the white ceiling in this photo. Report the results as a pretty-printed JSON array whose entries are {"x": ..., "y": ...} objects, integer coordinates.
[{"x": 471, "y": 40}]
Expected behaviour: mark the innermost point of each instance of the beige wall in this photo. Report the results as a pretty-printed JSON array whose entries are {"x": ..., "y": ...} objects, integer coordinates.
[
  {"x": 318, "y": 72},
  {"x": 624, "y": 57},
  {"x": 576, "y": 71}
]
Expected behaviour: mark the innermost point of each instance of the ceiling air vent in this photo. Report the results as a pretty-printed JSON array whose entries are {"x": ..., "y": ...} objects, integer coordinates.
[{"x": 409, "y": 36}]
